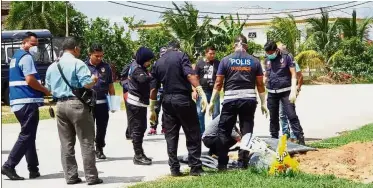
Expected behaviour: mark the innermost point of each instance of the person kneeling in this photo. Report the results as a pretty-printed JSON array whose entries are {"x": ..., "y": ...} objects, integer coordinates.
[{"x": 210, "y": 137}]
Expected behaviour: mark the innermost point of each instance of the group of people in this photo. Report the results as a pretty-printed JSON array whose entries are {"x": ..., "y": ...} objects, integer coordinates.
[{"x": 184, "y": 93}]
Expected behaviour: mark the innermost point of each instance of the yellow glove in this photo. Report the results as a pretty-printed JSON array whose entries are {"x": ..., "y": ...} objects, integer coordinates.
[
  {"x": 153, "y": 114},
  {"x": 212, "y": 101},
  {"x": 293, "y": 92},
  {"x": 204, "y": 101},
  {"x": 263, "y": 103}
]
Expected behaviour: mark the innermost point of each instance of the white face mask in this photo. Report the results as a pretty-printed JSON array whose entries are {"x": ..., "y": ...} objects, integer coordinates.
[{"x": 33, "y": 50}]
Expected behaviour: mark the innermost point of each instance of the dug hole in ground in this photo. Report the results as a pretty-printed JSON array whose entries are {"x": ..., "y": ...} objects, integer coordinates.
[{"x": 353, "y": 161}]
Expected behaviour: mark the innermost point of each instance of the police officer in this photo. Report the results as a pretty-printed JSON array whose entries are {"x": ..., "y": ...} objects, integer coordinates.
[
  {"x": 281, "y": 86},
  {"x": 240, "y": 72},
  {"x": 206, "y": 71},
  {"x": 154, "y": 124},
  {"x": 26, "y": 96},
  {"x": 174, "y": 71},
  {"x": 283, "y": 117},
  {"x": 138, "y": 100},
  {"x": 103, "y": 87}
]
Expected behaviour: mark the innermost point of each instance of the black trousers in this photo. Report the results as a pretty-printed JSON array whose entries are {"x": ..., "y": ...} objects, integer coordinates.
[
  {"x": 28, "y": 117},
  {"x": 137, "y": 119},
  {"x": 211, "y": 142},
  {"x": 181, "y": 111},
  {"x": 273, "y": 103},
  {"x": 157, "y": 109},
  {"x": 245, "y": 109},
  {"x": 128, "y": 129},
  {"x": 101, "y": 116}
]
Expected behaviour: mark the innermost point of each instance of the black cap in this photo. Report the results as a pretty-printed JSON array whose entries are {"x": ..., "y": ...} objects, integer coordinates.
[
  {"x": 174, "y": 44},
  {"x": 240, "y": 38},
  {"x": 270, "y": 46}
]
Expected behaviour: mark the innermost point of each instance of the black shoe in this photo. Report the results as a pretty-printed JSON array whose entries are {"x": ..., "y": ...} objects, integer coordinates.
[
  {"x": 97, "y": 181},
  {"x": 176, "y": 173},
  {"x": 301, "y": 141},
  {"x": 11, "y": 173},
  {"x": 141, "y": 160},
  {"x": 222, "y": 168},
  {"x": 197, "y": 172},
  {"x": 76, "y": 181},
  {"x": 243, "y": 159},
  {"x": 34, "y": 175},
  {"x": 147, "y": 158},
  {"x": 100, "y": 153}
]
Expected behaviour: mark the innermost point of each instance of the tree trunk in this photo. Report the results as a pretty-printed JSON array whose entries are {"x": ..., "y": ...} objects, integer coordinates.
[
  {"x": 67, "y": 20},
  {"x": 42, "y": 6}
]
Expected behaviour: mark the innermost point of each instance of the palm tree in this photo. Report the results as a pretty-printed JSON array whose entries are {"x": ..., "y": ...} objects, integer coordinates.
[
  {"x": 323, "y": 35},
  {"x": 349, "y": 27},
  {"x": 41, "y": 15},
  {"x": 311, "y": 59},
  {"x": 224, "y": 33},
  {"x": 184, "y": 24},
  {"x": 31, "y": 15},
  {"x": 286, "y": 31}
]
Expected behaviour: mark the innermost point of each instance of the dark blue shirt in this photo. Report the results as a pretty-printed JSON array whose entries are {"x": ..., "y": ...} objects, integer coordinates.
[
  {"x": 104, "y": 74},
  {"x": 172, "y": 70}
]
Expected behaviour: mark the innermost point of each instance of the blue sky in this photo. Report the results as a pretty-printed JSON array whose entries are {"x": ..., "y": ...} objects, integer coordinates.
[{"x": 114, "y": 12}]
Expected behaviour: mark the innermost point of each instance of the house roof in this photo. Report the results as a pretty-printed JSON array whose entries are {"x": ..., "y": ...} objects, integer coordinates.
[{"x": 249, "y": 24}]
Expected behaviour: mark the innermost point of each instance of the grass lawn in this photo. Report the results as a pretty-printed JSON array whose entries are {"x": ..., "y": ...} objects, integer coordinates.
[
  {"x": 8, "y": 117},
  {"x": 251, "y": 178},
  {"x": 254, "y": 178},
  {"x": 363, "y": 134}
]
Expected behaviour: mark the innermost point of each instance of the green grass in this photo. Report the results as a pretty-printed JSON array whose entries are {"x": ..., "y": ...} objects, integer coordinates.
[
  {"x": 252, "y": 178},
  {"x": 363, "y": 134},
  {"x": 8, "y": 117}
]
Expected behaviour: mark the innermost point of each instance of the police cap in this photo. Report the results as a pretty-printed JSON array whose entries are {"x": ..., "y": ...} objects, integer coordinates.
[{"x": 270, "y": 46}]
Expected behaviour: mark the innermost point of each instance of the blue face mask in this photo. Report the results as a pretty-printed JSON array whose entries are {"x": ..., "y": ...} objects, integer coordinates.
[{"x": 272, "y": 56}]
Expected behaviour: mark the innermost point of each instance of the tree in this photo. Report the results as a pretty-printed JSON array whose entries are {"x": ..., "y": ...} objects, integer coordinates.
[
  {"x": 154, "y": 38},
  {"x": 323, "y": 35},
  {"x": 117, "y": 43},
  {"x": 224, "y": 33},
  {"x": 285, "y": 30},
  {"x": 349, "y": 27},
  {"x": 43, "y": 15},
  {"x": 184, "y": 24}
]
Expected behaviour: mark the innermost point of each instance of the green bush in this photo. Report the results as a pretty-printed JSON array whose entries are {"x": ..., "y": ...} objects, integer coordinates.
[{"x": 356, "y": 59}]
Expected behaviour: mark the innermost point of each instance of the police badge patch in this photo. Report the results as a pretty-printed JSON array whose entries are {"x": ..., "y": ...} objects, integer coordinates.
[{"x": 282, "y": 62}]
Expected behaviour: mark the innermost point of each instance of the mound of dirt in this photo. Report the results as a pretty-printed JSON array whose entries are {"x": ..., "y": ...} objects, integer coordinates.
[{"x": 353, "y": 161}]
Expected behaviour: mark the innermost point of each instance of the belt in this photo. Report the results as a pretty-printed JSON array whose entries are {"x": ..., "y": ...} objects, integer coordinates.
[
  {"x": 279, "y": 90},
  {"x": 103, "y": 101},
  {"x": 67, "y": 98},
  {"x": 132, "y": 99},
  {"x": 239, "y": 94}
]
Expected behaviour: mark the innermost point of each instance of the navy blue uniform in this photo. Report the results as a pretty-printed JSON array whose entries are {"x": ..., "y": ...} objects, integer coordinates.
[
  {"x": 179, "y": 109},
  {"x": 101, "y": 110},
  {"x": 240, "y": 71},
  {"x": 279, "y": 86}
]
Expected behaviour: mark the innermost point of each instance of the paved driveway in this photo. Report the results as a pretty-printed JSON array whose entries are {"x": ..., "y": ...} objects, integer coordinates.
[{"x": 323, "y": 111}]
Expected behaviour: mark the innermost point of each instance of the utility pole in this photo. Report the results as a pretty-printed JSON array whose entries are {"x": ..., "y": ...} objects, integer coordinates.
[{"x": 67, "y": 19}]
